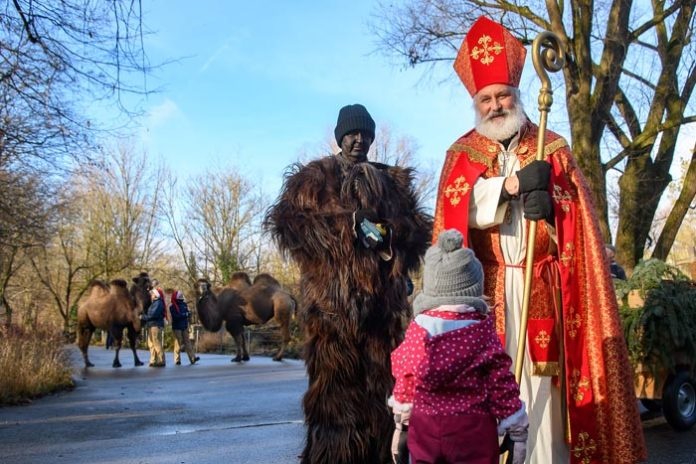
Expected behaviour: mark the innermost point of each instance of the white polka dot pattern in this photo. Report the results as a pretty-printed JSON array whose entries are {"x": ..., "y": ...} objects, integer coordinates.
[{"x": 459, "y": 371}]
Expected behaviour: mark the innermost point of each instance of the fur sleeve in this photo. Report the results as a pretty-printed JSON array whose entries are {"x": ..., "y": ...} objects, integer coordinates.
[
  {"x": 307, "y": 221},
  {"x": 312, "y": 219},
  {"x": 412, "y": 226}
]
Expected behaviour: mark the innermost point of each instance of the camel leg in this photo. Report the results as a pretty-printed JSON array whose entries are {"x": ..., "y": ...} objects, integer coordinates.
[
  {"x": 245, "y": 351},
  {"x": 285, "y": 334},
  {"x": 242, "y": 353},
  {"x": 84, "y": 335},
  {"x": 118, "y": 341},
  {"x": 236, "y": 330},
  {"x": 133, "y": 339},
  {"x": 238, "y": 346}
]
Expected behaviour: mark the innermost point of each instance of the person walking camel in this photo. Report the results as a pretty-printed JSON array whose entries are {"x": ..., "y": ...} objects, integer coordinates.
[
  {"x": 154, "y": 325},
  {"x": 179, "y": 311}
]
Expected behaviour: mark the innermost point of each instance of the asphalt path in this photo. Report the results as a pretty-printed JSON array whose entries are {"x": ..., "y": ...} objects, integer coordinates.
[{"x": 213, "y": 412}]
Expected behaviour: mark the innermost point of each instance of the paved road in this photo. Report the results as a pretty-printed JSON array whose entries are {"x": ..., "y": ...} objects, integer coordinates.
[
  {"x": 210, "y": 413},
  {"x": 213, "y": 412}
]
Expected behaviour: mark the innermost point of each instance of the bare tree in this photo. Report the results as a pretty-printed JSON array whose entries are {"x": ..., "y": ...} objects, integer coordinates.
[
  {"x": 55, "y": 58},
  {"x": 107, "y": 227},
  {"x": 683, "y": 252},
  {"x": 24, "y": 223},
  {"x": 629, "y": 79},
  {"x": 217, "y": 228}
]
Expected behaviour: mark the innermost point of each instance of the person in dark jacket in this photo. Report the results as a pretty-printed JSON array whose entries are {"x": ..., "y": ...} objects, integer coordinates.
[
  {"x": 617, "y": 272},
  {"x": 154, "y": 325},
  {"x": 179, "y": 311}
]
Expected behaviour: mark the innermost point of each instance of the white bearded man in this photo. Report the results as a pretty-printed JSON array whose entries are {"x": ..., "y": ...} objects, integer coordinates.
[{"x": 577, "y": 381}]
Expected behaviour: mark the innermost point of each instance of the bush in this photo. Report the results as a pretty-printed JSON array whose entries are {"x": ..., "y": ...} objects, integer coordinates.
[
  {"x": 665, "y": 323},
  {"x": 33, "y": 363}
]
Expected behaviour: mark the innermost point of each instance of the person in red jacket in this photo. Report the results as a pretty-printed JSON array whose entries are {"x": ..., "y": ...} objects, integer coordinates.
[{"x": 453, "y": 378}]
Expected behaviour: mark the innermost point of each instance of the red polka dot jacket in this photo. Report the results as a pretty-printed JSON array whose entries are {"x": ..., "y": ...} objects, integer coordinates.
[{"x": 451, "y": 362}]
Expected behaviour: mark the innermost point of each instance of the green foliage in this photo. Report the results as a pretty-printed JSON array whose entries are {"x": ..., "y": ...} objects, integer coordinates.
[
  {"x": 227, "y": 264},
  {"x": 662, "y": 332},
  {"x": 646, "y": 276}
]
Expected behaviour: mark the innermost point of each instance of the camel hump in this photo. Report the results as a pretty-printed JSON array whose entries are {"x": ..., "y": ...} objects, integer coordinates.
[
  {"x": 239, "y": 277},
  {"x": 97, "y": 286},
  {"x": 119, "y": 287},
  {"x": 266, "y": 279},
  {"x": 119, "y": 283}
]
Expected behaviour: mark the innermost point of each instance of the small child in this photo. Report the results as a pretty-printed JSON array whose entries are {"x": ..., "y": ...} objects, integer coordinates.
[{"x": 454, "y": 387}]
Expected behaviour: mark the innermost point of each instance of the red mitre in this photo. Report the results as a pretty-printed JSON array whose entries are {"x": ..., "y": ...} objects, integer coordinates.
[{"x": 489, "y": 54}]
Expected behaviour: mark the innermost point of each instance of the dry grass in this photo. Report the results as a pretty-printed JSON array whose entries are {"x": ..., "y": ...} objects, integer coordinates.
[
  {"x": 263, "y": 340},
  {"x": 33, "y": 363}
]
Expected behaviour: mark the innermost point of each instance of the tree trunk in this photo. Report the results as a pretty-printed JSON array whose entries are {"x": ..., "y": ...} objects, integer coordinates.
[
  {"x": 642, "y": 185},
  {"x": 678, "y": 212},
  {"x": 587, "y": 152}
]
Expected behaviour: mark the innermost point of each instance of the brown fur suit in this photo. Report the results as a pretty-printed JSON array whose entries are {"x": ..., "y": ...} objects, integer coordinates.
[{"x": 354, "y": 302}]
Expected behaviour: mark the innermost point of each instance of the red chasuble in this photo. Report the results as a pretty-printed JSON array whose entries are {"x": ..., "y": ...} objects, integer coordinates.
[{"x": 572, "y": 306}]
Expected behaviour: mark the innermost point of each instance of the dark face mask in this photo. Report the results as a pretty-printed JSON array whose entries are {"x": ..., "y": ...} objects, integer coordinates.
[{"x": 355, "y": 145}]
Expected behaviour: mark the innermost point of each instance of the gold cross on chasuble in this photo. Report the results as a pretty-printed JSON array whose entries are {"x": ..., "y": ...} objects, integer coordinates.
[{"x": 456, "y": 190}]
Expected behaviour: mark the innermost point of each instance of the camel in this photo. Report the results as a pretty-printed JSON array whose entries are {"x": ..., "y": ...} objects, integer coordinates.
[
  {"x": 112, "y": 307},
  {"x": 243, "y": 303}
]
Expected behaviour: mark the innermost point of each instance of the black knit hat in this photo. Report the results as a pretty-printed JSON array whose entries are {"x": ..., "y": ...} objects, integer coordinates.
[{"x": 353, "y": 117}]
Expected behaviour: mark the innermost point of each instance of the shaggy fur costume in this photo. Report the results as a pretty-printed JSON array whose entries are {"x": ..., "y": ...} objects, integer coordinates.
[{"x": 353, "y": 302}]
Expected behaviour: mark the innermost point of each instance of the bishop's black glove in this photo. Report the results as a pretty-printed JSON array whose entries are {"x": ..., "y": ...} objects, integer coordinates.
[
  {"x": 537, "y": 205},
  {"x": 534, "y": 176}
]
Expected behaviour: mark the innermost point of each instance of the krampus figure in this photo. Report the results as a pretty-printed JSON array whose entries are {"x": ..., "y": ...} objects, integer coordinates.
[{"x": 355, "y": 228}]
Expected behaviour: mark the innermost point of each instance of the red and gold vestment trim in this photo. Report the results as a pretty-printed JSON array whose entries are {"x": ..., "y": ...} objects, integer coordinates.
[{"x": 602, "y": 416}]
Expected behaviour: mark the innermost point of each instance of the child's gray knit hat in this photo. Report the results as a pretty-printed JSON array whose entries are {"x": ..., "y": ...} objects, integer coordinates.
[{"x": 452, "y": 275}]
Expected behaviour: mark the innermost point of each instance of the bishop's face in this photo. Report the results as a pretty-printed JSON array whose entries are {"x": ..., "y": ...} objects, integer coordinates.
[
  {"x": 499, "y": 115},
  {"x": 493, "y": 101},
  {"x": 355, "y": 145}
]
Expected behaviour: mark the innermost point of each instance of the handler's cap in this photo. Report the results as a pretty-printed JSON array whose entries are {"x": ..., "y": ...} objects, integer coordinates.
[
  {"x": 353, "y": 117},
  {"x": 489, "y": 54}
]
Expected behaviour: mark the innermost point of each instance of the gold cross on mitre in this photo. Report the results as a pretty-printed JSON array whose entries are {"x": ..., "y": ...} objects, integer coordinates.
[{"x": 487, "y": 50}]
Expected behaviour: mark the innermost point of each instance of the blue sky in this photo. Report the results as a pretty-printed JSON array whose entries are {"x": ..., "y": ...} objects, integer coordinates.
[{"x": 258, "y": 82}]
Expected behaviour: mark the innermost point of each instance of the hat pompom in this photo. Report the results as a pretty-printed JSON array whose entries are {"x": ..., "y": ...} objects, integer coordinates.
[{"x": 450, "y": 240}]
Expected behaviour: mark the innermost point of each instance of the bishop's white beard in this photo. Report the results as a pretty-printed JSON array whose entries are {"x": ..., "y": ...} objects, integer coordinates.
[{"x": 501, "y": 130}]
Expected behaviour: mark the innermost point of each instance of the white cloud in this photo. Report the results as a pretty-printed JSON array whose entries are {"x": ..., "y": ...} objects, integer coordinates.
[{"x": 163, "y": 113}]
